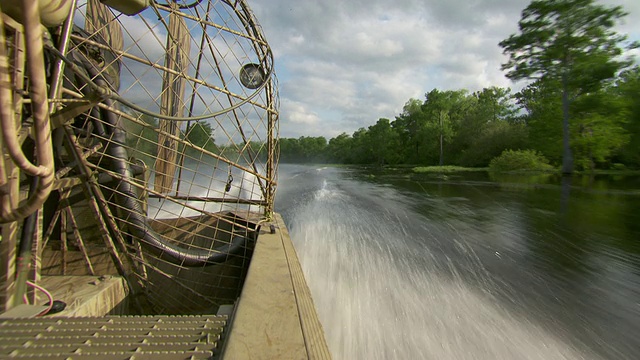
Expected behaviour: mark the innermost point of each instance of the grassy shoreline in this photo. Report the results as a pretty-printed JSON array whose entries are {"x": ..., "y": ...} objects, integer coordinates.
[
  {"x": 452, "y": 169},
  {"x": 445, "y": 169}
]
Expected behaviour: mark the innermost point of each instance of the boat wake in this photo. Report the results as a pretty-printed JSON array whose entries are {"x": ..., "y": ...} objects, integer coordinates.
[{"x": 382, "y": 293}]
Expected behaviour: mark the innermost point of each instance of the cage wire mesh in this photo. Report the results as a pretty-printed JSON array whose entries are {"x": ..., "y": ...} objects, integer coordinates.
[{"x": 177, "y": 158}]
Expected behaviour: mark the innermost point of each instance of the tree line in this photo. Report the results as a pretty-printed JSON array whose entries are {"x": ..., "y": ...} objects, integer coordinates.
[{"x": 580, "y": 109}]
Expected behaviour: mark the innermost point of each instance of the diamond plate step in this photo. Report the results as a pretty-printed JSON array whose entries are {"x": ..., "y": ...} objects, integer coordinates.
[{"x": 112, "y": 337}]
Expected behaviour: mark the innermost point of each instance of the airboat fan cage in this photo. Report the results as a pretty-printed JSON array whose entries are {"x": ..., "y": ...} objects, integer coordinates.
[
  {"x": 200, "y": 131},
  {"x": 164, "y": 128}
]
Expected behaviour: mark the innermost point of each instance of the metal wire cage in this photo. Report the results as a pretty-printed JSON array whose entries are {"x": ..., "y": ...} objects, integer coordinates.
[{"x": 163, "y": 134}]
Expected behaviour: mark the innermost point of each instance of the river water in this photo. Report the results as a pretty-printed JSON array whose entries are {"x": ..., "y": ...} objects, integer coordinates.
[{"x": 467, "y": 266}]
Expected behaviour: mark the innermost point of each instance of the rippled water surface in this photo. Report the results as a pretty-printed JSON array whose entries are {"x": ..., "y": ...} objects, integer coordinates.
[{"x": 468, "y": 266}]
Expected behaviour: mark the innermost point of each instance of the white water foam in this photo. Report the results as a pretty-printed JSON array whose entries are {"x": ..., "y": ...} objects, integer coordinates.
[{"x": 377, "y": 305}]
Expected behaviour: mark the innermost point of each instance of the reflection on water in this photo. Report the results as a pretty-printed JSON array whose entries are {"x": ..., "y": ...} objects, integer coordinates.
[{"x": 465, "y": 266}]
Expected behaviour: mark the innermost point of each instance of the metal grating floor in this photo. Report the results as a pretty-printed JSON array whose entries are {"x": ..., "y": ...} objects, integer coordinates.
[{"x": 112, "y": 337}]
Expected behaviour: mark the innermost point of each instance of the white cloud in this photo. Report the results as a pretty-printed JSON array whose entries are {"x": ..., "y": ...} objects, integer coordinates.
[
  {"x": 298, "y": 114},
  {"x": 348, "y": 63}
]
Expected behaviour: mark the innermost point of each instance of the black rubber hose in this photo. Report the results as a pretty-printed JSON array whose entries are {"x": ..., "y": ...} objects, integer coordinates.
[
  {"x": 138, "y": 222},
  {"x": 134, "y": 216}
]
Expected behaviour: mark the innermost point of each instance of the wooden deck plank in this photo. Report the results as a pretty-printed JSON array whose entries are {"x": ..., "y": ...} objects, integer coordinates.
[
  {"x": 316, "y": 344},
  {"x": 87, "y": 295},
  {"x": 275, "y": 317}
]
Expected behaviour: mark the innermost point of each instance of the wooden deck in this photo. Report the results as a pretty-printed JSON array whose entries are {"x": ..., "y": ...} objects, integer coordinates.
[
  {"x": 275, "y": 317},
  {"x": 87, "y": 295}
]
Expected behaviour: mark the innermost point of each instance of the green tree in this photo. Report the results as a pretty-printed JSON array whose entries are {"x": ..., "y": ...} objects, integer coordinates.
[
  {"x": 541, "y": 102},
  {"x": 362, "y": 147},
  {"x": 301, "y": 150},
  {"x": 340, "y": 148},
  {"x": 383, "y": 142},
  {"x": 290, "y": 150},
  {"x": 488, "y": 125},
  {"x": 598, "y": 128},
  {"x": 570, "y": 42},
  {"x": 444, "y": 109},
  {"x": 628, "y": 88},
  {"x": 495, "y": 104},
  {"x": 201, "y": 134},
  {"x": 313, "y": 148},
  {"x": 410, "y": 127}
]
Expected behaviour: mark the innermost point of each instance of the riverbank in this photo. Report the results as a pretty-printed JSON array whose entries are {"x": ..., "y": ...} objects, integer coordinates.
[
  {"x": 609, "y": 181},
  {"x": 449, "y": 169},
  {"x": 454, "y": 169}
]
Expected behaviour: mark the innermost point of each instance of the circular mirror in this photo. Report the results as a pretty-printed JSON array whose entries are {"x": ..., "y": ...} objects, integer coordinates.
[{"x": 252, "y": 76}]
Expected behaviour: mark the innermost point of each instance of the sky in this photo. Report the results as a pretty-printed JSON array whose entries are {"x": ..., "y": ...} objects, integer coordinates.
[{"x": 343, "y": 64}]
